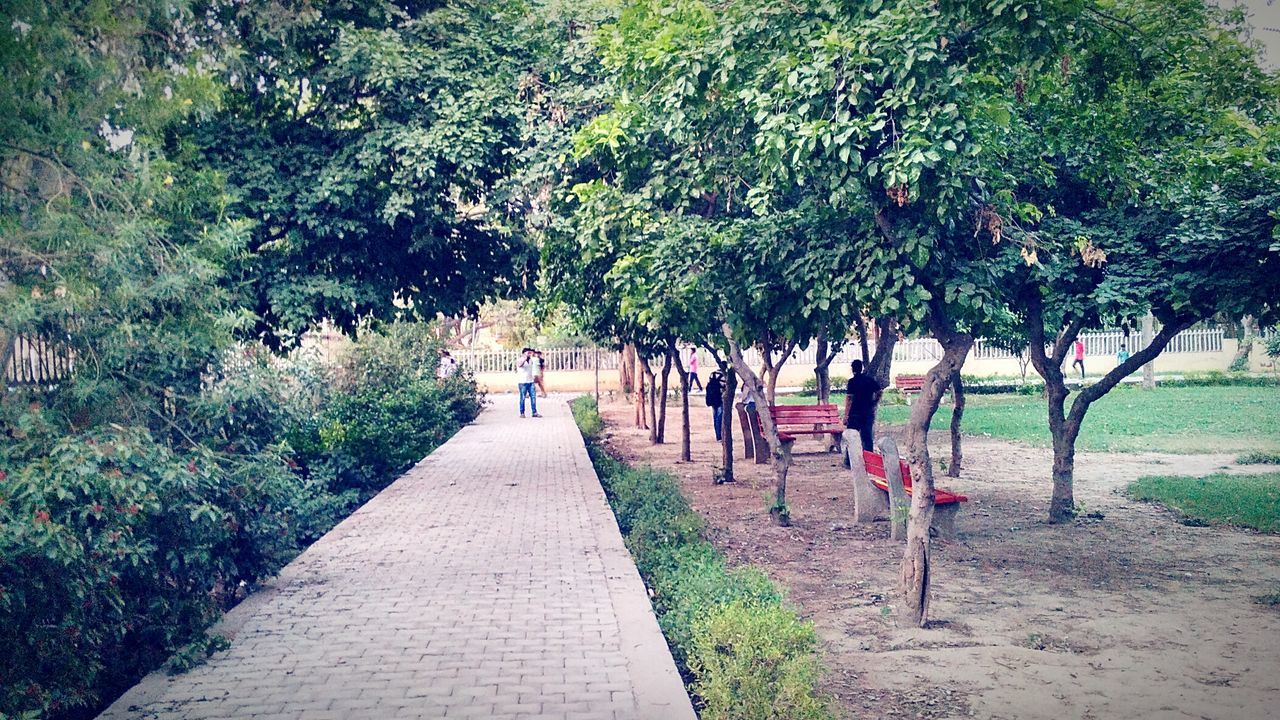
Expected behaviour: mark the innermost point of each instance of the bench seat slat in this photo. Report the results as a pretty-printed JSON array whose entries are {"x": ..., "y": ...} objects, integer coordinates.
[{"x": 874, "y": 463}]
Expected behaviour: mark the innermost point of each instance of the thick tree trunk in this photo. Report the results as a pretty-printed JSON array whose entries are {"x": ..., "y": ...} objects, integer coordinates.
[
  {"x": 627, "y": 370},
  {"x": 686, "y": 453},
  {"x": 913, "y": 585},
  {"x": 779, "y": 450},
  {"x": 957, "y": 412},
  {"x": 882, "y": 361},
  {"x": 1241, "y": 360},
  {"x": 662, "y": 398}
]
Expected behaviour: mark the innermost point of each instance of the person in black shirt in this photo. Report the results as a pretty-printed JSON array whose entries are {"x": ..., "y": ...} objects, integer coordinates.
[
  {"x": 715, "y": 390},
  {"x": 861, "y": 396}
]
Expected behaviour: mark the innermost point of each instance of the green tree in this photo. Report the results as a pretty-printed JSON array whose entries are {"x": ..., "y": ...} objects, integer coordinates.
[
  {"x": 1171, "y": 211},
  {"x": 369, "y": 141}
]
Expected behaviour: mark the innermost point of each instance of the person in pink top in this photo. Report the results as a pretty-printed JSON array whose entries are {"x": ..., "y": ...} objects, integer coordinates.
[
  {"x": 1079, "y": 361},
  {"x": 693, "y": 369}
]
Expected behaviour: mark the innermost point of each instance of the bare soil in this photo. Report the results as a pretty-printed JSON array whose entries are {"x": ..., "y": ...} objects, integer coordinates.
[{"x": 1127, "y": 613}]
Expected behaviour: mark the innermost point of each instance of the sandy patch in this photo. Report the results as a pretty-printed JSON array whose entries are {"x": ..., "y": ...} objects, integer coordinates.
[{"x": 1133, "y": 615}]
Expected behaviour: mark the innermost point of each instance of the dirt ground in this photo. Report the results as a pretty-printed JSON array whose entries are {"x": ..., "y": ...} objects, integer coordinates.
[{"x": 1132, "y": 615}]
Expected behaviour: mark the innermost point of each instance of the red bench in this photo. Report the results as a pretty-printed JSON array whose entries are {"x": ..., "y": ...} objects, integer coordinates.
[
  {"x": 946, "y": 503},
  {"x": 793, "y": 420},
  {"x": 909, "y": 385}
]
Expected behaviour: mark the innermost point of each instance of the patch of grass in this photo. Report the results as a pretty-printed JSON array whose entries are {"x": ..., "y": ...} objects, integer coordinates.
[
  {"x": 1129, "y": 419},
  {"x": 744, "y": 653},
  {"x": 1259, "y": 458},
  {"x": 1251, "y": 501},
  {"x": 1271, "y": 599}
]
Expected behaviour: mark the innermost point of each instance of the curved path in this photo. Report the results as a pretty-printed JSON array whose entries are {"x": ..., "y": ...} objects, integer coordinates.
[{"x": 489, "y": 581}]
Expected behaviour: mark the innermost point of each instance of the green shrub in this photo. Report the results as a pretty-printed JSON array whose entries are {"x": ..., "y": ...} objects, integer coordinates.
[
  {"x": 115, "y": 550},
  {"x": 755, "y": 662},
  {"x": 747, "y": 655},
  {"x": 588, "y": 419},
  {"x": 1259, "y": 458},
  {"x": 809, "y": 388},
  {"x": 119, "y": 546},
  {"x": 1218, "y": 378}
]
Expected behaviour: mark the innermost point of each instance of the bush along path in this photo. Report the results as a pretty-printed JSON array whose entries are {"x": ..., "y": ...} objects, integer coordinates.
[
  {"x": 489, "y": 581},
  {"x": 744, "y": 654},
  {"x": 120, "y": 545}
]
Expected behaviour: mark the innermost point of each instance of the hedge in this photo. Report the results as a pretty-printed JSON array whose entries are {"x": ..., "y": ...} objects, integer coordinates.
[{"x": 743, "y": 652}]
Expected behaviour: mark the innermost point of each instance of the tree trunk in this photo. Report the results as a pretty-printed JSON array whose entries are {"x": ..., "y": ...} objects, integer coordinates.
[
  {"x": 686, "y": 453},
  {"x": 662, "y": 398},
  {"x": 827, "y": 352},
  {"x": 726, "y": 420},
  {"x": 957, "y": 412},
  {"x": 913, "y": 585},
  {"x": 627, "y": 370},
  {"x": 779, "y": 451},
  {"x": 862, "y": 340},
  {"x": 822, "y": 369},
  {"x": 1241, "y": 360},
  {"x": 882, "y": 361},
  {"x": 899, "y": 500},
  {"x": 773, "y": 369},
  {"x": 639, "y": 390},
  {"x": 1149, "y": 369},
  {"x": 1065, "y": 426},
  {"x": 648, "y": 397}
]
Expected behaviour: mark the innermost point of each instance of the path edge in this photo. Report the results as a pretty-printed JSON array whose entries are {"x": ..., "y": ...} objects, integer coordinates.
[{"x": 659, "y": 689}]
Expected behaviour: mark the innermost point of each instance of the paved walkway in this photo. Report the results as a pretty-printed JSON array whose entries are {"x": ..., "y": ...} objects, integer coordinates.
[{"x": 489, "y": 581}]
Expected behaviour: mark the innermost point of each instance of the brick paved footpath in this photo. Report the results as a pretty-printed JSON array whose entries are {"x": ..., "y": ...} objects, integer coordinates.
[{"x": 489, "y": 581}]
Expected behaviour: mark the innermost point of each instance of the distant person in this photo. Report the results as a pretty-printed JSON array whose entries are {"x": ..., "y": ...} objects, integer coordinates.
[
  {"x": 715, "y": 401},
  {"x": 1079, "y": 361},
  {"x": 525, "y": 368},
  {"x": 1122, "y": 356},
  {"x": 540, "y": 371},
  {"x": 447, "y": 367},
  {"x": 693, "y": 369},
  {"x": 862, "y": 394}
]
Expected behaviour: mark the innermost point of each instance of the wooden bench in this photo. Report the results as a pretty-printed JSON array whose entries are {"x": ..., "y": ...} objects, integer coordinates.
[
  {"x": 909, "y": 385},
  {"x": 793, "y": 420},
  {"x": 946, "y": 503}
]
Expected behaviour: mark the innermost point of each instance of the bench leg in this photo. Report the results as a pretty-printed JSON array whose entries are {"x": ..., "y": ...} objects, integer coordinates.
[
  {"x": 870, "y": 503},
  {"x": 944, "y": 520}
]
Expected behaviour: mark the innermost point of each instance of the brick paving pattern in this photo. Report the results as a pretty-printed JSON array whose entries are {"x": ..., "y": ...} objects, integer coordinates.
[{"x": 489, "y": 581}]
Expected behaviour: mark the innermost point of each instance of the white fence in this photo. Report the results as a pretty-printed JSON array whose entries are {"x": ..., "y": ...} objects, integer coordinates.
[{"x": 1199, "y": 340}]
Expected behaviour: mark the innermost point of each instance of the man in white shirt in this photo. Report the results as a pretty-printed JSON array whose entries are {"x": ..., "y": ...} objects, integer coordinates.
[{"x": 526, "y": 369}]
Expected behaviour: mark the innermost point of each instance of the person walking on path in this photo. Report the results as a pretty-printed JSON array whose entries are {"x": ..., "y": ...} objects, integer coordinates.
[
  {"x": 539, "y": 370},
  {"x": 693, "y": 369},
  {"x": 862, "y": 394},
  {"x": 715, "y": 401},
  {"x": 525, "y": 368},
  {"x": 1079, "y": 357}
]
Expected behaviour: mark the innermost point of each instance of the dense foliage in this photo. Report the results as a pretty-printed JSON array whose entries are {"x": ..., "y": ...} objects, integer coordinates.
[
  {"x": 746, "y": 655},
  {"x": 117, "y": 549}
]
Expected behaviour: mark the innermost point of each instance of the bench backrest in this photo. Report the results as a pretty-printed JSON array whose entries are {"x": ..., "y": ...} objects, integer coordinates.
[
  {"x": 875, "y": 466},
  {"x": 805, "y": 414},
  {"x": 908, "y": 382}
]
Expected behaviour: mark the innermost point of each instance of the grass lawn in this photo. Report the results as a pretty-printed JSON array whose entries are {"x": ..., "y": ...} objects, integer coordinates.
[
  {"x": 1180, "y": 420},
  {"x": 1245, "y": 500}
]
